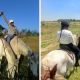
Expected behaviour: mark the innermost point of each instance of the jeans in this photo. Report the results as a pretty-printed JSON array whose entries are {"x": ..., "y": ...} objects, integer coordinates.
[{"x": 9, "y": 37}]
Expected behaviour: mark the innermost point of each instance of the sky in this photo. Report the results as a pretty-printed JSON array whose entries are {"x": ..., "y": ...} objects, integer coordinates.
[
  {"x": 25, "y": 13},
  {"x": 60, "y": 9}
]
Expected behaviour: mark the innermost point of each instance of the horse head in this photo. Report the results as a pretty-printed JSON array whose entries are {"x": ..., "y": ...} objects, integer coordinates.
[{"x": 34, "y": 63}]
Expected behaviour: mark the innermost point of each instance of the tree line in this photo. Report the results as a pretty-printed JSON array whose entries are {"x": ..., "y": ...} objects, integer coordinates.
[
  {"x": 25, "y": 32},
  {"x": 75, "y": 20}
]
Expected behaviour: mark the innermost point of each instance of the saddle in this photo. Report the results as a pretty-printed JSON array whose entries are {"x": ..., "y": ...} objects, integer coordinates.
[
  {"x": 68, "y": 50},
  {"x": 70, "y": 53},
  {"x": 10, "y": 38}
]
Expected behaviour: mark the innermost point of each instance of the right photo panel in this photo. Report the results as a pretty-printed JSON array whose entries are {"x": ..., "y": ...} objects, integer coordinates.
[{"x": 60, "y": 40}]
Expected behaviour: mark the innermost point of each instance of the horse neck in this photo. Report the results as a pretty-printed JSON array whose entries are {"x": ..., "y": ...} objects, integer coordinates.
[
  {"x": 21, "y": 48},
  {"x": 7, "y": 52}
]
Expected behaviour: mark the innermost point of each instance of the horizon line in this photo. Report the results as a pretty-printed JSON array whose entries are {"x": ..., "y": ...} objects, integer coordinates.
[{"x": 61, "y": 19}]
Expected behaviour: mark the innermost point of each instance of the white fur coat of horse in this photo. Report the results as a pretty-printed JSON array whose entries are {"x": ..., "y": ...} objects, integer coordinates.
[{"x": 59, "y": 58}]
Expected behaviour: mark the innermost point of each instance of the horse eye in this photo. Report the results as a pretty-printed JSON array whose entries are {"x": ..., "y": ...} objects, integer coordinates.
[{"x": 30, "y": 62}]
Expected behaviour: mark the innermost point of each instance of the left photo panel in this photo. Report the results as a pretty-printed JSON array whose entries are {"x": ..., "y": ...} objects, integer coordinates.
[{"x": 19, "y": 40}]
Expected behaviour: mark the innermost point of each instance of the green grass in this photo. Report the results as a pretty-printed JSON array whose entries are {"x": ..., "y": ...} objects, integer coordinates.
[
  {"x": 49, "y": 40},
  {"x": 75, "y": 75}
]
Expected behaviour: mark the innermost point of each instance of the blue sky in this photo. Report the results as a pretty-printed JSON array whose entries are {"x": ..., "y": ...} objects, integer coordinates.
[
  {"x": 25, "y": 13},
  {"x": 60, "y": 9}
]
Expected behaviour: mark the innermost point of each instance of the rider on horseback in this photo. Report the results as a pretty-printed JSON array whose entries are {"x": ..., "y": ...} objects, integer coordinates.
[
  {"x": 66, "y": 40},
  {"x": 12, "y": 31}
]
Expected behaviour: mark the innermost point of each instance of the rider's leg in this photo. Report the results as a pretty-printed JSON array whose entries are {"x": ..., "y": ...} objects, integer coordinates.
[{"x": 8, "y": 38}]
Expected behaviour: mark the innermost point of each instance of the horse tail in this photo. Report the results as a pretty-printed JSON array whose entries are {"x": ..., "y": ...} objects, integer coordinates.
[{"x": 53, "y": 72}]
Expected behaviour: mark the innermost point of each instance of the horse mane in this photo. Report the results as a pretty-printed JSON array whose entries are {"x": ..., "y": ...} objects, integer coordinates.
[{"x": 53, "y": 72}]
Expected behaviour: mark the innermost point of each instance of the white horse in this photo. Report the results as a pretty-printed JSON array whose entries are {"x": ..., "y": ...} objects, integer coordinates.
[
  {"x": 56, "y": 63},
  {"x": 20, "y": 48},
  {"x": 6, "y": 51}
]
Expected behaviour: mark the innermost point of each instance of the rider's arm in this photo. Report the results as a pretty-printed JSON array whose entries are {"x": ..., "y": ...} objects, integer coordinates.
[
  {"x": 3, "y": 16},
  {"x": 5, "y": 19}
]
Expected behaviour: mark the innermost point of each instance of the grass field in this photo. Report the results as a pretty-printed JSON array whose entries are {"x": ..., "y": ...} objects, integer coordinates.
[
  {"x": 49, "y": 40},
  {"x": 32, "y": 42}
]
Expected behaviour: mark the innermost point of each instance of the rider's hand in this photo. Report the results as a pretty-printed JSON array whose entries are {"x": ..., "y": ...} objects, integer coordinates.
[{"x": 1, "y": 13}]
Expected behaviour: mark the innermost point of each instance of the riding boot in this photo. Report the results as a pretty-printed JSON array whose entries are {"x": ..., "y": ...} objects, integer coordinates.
[{"x": 76, "y": 64}]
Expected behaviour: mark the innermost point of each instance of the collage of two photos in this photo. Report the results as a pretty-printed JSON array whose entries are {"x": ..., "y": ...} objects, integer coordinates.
[{"x": 39, "y": 40}]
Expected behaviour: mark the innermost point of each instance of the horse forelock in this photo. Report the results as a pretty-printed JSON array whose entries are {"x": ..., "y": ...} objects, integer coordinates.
[{"x": 33, "y": 60}]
